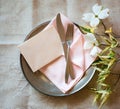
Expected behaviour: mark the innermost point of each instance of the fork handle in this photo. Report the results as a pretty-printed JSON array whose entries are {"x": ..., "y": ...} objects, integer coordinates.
[
  {"x": 66, "y": 50},
  {"x": 69, "y": 67}
]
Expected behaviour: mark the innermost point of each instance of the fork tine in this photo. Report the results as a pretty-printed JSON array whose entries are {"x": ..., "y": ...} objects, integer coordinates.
[
  {"x": 71, "y": 29},
  {"x": 69, "y": 33}
]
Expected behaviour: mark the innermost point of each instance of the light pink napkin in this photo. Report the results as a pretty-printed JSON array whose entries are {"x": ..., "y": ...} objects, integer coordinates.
[
  {"x": 41, "y": 49},
  {"x": 81, "y": 60}
]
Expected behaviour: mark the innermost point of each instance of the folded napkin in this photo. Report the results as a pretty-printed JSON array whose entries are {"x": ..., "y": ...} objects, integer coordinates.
[
  {"x": 81, "y": 59},
  {"x": 41, "y": 49}
]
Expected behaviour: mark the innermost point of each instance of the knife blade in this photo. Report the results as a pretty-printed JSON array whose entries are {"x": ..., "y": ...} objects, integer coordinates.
[
  {"x": 60, "y": 27},
  {"x": 61, "y": 32}
]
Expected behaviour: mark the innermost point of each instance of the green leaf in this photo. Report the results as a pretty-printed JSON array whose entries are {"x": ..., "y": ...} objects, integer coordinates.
[
  {"x": 102, "y": 78},
  {"x": 111, "y": 62},
  {"x": 111, "y": 53},
  {"x": 97, "y": 96},
  {"x": 104, "y": 99},
  {"x": 105, "y": 50},
  {"x": 114, "y": 42},
  {"x": 100, "y": 62},
  {"x": 98, "y": 69},
  {"x": 105, "y": 85},
  {"x": 106, "y": 40},
  {"x": 85, "y": 30}
]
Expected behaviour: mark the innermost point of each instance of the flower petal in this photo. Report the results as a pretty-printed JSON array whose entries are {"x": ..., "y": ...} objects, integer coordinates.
[
  {"x": 96, "y": 9},
  {"x": 90, "y": 37},
  {"x": 96, "y": 43},
  {"x": 87, "y": 45},
  {"x": 87, "y": 17},
  {"x": 94, "y": 22},
  {"x": 94, "y": 51},
  {"x": 104, "y": 14}
]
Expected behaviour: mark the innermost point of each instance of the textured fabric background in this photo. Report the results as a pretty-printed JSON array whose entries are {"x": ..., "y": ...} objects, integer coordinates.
[{"x": 17, "y": 18}]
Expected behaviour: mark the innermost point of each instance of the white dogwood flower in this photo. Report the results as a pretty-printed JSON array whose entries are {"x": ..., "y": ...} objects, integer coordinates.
[
  {"x": 94, "y": 51},
  {"x": 98, "y": 13},
  {"x": 90, "y": 41}
]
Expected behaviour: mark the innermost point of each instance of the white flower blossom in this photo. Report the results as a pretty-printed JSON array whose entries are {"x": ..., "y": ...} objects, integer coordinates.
[
  {"x": 90, "y": 41},
  {"x": 98, "y": 13},
  {"x": 94, "y": 51}
]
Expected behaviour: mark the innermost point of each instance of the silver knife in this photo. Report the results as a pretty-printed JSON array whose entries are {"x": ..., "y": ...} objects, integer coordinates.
[{"x": 61, "y": 31}]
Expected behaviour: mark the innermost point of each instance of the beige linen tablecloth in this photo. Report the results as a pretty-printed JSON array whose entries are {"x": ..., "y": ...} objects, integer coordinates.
[{"x": 17, "y": 18}]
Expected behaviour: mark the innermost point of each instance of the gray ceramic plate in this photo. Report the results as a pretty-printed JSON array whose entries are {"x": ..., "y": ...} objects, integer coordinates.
[{"x": 41, "y": 83}]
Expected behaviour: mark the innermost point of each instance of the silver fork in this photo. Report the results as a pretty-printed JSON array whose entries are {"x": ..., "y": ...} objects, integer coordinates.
[{"x": 68, "y": 39}]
